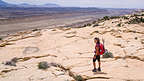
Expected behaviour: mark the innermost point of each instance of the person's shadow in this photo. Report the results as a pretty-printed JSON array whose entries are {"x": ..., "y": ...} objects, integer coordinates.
[{"x": 99, "y": 73}]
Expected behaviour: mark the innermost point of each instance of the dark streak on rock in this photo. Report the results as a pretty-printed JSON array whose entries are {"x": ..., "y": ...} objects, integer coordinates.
[{"x": 129, "y": 57}]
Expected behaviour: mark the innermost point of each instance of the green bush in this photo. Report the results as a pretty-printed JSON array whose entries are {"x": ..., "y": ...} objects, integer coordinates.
[
  {"x": 142, "y": 19},
  {"x": 114, "y": 17},
  {"x": 89, "y": 24},
  {"x": 106, "y": 17},
  {"x": 35, "y": 30},
  {"x": 125, "y": 17},
  {"x": 136, "y": 38},
  {"x": 107, "y": 55},
  {"x": 94, "y": 22},
  {"x": 12, "y": 62},
  {"x": 136, "y": 20},
  {"x": 43, "y": 65},
  {"x": 136, "y": 15},
  {"x": 142, "y": 15},
  {"x": 84, "y": 25},
  {"x": 99, "y": 20},
  {"x": 0, "y": 38},
  {"x": 119, "y": 25},
  {"x": 15, "y": 59},
  {"x": 78, "y": 78}
]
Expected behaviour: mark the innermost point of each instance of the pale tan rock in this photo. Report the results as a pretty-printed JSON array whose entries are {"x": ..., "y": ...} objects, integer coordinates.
[{"x": 73, "y": 48}]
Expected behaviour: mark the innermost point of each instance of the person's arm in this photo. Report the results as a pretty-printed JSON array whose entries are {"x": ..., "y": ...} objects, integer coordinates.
[{"x": 97, "y": 51}]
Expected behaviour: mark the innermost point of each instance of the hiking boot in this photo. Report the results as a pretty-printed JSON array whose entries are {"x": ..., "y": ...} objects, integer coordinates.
[
  {"x": 99, "y": 69},
  {"x": 94, "y": 70}
]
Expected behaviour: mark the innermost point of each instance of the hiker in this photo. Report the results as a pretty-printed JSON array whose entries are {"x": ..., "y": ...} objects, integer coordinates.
[{"x": 99, "y": 50}]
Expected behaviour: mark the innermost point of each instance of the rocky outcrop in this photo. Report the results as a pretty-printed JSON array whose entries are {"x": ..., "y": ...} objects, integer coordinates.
[{"x": 69, "y": 52}]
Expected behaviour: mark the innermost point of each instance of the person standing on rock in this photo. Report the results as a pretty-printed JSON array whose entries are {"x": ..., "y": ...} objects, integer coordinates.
[{"x": 99, "y": 50}]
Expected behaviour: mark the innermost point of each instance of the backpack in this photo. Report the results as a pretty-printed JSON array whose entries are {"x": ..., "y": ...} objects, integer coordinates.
[{"x": 102, "y": 49}]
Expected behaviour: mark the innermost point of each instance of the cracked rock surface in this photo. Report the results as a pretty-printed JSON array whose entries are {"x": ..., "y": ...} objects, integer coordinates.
[{"x": 70, "y": 52}]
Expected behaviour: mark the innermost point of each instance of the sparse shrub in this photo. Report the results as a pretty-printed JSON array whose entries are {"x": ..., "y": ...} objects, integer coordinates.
[
  {"x": 12, "y": 62},
  {"x": 106, "y": 17},
  {"x": 15, "y": 59},
  {"x": 114, "y": 17},
  {"x": 94, "y": 22},
  {"x": 89, "y": 24},
  {"x": 136, "y": 20},
  {"x": 107, "y": 55},
  {"x": 43, "y": 65},
  {"x": 136, "y": 15},
  {"x": 0, "y": 38},
  {"x": 97, "y": 31},
  {"x": 99, "y": 20},
  {"x": 136, "y": 38},
  {"x": 125, "y": 17},
  {"x": 79, "y": 78},
  {"x": 84, "y": 25},
  {"x": 35, "y": 30},
  {"x": 119, "y": 25},
  {"x": 142, "y": 19},
  {"x": 132, "y": 16}
]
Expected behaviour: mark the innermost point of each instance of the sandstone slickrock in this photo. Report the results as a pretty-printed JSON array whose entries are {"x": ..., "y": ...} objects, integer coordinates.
[{"x": 69, "y": 52}]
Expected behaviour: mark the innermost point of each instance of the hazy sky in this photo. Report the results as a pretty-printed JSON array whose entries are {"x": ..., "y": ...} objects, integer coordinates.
[{"x": 88, "y": 3}]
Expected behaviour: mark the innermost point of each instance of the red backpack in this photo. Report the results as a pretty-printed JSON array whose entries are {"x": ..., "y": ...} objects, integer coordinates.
[{"x": 102, "y": 49}]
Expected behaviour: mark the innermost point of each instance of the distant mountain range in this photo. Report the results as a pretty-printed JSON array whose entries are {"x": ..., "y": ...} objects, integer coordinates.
[{"x": 5, "y": 4}]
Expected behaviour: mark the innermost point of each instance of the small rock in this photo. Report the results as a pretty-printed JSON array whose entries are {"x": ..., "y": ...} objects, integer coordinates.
[
  {"x": 10, "y": 63},
  {"x": 58, "y": 73}
]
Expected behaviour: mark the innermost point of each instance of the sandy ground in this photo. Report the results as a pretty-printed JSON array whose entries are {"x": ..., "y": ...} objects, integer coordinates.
[{"x": 73, "y": 49}]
